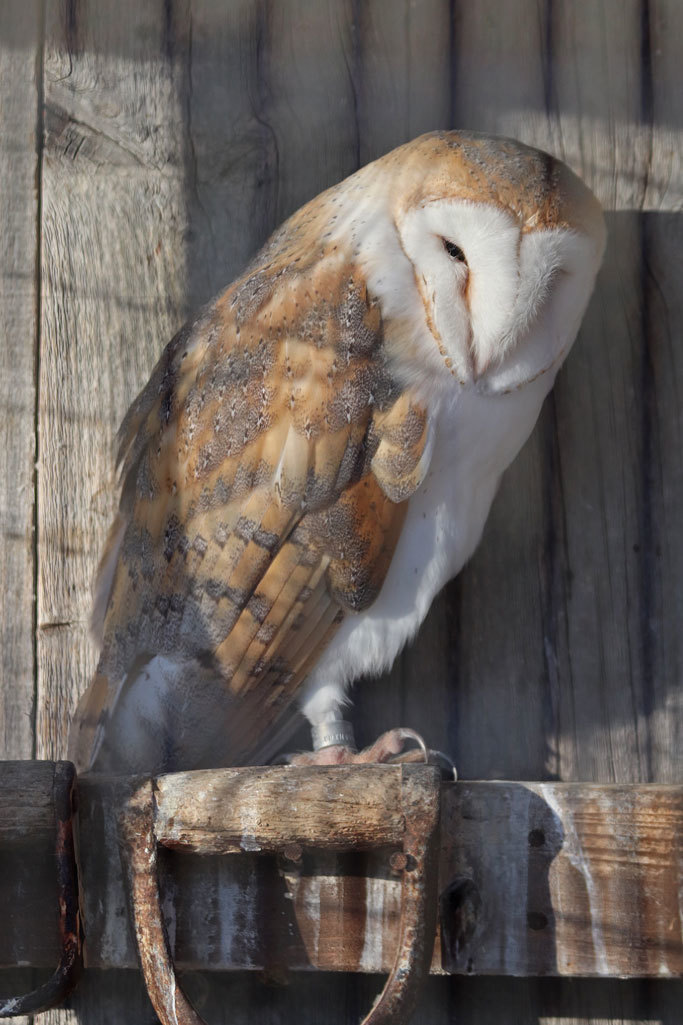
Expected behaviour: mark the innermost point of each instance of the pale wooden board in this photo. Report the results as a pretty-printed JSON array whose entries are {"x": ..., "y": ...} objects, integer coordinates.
[
  {"x": 113, "y": 267},
  {"x": 19, "y": 170},
  {"x": 19, "y": 166},
  {"x": 558, "y": 652},
  {"x": 113, "y": 270}
]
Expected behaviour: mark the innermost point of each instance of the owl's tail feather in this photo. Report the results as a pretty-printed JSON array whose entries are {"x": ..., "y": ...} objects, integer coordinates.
[
  {"x": 165, "y": 715},
  {"x": 87, "y": 724}
]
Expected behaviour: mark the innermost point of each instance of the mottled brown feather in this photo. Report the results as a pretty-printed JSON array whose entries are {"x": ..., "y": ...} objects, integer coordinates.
[{"x": 265, "y": 469}]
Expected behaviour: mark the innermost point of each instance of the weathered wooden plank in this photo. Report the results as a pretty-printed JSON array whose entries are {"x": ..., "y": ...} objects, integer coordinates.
[
  {"x": 586, "y": 878},
  {"x": 535, "y": 879},
  {"x": 27, "y": 870},
  {"x": 259, "y": 65},
  {"x": 113, "y": 266},
  {"x": 26, "y": 803},
  {"x": 113, "y": 215},
  {"x": 214, "y": 812},
  {"x": 19, "y": 175},
  {"x": 661, "y": 540},
  {"x": 20, "y": 86},
  {"x": 221, "y": 56}
]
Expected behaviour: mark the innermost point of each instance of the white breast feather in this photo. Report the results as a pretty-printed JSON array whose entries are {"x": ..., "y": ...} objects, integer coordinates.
[{"x": 477, "y": 437}]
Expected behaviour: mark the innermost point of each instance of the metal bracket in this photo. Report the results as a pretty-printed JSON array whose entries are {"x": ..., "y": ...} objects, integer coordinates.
[
  {"x": 167, "y": 811},
  {"x": 65, "y": 976}
]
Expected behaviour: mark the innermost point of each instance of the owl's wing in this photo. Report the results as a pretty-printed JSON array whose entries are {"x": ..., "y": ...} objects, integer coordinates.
[{"x": 265, "y": 477}]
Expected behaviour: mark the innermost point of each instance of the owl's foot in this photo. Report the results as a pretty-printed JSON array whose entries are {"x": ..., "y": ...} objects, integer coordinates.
[{"x": 390, "y": 748}]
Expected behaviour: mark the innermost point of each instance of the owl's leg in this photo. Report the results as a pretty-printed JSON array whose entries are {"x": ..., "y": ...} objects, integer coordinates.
[
  {"x": 333, "y": 739},
  {"x": 333, "y": 744}
]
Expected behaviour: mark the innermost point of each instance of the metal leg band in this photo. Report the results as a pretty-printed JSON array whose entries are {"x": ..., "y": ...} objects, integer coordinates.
[{"x": 330, "y": 734}]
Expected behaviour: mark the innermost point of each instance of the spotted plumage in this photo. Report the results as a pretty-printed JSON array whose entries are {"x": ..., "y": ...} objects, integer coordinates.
[{"x": 274, "y": 466}]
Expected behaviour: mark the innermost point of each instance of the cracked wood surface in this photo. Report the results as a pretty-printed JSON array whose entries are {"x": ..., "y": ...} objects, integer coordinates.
[{"x": 177, "y": 135}]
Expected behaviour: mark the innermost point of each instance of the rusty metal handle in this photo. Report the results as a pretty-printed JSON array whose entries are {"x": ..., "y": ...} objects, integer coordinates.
[
  {"x": 420, "y": 793},
  {"x": 65, "y": 975},
  {"x": 141, "y": 864},
  {"x": 419, "y": 890}
]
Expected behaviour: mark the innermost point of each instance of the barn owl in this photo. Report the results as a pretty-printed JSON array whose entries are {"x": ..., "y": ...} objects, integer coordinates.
[{"x": 315, "y": 454}]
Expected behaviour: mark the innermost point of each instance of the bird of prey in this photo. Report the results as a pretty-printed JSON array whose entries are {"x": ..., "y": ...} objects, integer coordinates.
[{"x": 315, "y": 454}]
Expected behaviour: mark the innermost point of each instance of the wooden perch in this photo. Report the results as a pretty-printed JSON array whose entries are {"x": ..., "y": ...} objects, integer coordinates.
[{"x": 563, "y": 879}]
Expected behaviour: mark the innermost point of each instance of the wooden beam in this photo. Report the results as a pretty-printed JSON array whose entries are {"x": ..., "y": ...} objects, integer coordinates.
[{"x": 563, "y": 879}]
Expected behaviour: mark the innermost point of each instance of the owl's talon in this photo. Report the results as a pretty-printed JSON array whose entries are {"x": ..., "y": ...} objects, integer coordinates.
[
  {"x": 422, "y": 753},
  {"x": 418, "y": 754},
  {"x": 389, "y": 748}
]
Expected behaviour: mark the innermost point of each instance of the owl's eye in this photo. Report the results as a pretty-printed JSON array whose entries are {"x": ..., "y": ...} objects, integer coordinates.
[{"x": 455, "y": 252}]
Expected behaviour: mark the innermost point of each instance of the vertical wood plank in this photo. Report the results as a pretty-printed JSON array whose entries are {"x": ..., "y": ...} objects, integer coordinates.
[
  {"x": 19, "y": 167},
  {"x": 661, "y": 547},
  {"x": 113, "y": 270},
  {"x": 258, "y": 64},
  {"x": 20, "y": 157},
  {"x": 113, "y": 264},
  {"x": 312, "y": 103},
  {"x": 399, "y": 66},
  {"x": 231, "y": 174},
  {"x": 20, "y": 85}
]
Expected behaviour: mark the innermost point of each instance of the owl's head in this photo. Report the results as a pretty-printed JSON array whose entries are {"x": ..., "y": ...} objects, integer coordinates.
[{"x": 483, "y": 253}]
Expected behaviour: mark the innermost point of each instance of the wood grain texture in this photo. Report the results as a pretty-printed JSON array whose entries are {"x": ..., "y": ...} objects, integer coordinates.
[
  {"x": 19, "y": 168},
  {"x": 20, "y": 59},
  {"x": 113, "y": 269},
  {"x": 177, "y": 136},
  {"x": 268, "y": 808},
  {"x": 113, "y": 266},
  {"x": 27, "y": 872},
  {"x": 26, "y": 803}
]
